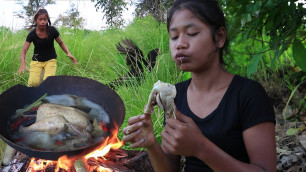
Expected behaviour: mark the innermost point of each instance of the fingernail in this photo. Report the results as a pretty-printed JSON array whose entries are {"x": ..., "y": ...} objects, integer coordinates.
[
  {"x": 142, "y": 117},
  {"x": 128, "y": 131}
]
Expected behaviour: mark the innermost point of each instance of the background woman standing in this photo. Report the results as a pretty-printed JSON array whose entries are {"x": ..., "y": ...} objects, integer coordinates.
[{"x": 44, "y": 57}]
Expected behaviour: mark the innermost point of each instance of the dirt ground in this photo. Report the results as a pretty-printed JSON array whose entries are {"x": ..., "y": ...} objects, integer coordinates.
[{"x": 291, "y": 132}]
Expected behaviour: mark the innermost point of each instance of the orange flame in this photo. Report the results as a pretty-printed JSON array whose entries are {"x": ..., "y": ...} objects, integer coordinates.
[
  {"x": 102, "y": 169},
  {"x": 39, "y": 164},
  {"x": 66, "y": 163}
]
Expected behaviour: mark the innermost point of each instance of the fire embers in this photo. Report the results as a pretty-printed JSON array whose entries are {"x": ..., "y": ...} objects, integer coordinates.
[
  {"x": 115, "y": 161},
  {"x": 106, "y": 158}
]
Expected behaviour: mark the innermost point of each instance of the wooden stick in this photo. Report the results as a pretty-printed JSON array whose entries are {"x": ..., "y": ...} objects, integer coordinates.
[
  {"x": 8, "y": 155},
  {"x": 79, "y": 166}
]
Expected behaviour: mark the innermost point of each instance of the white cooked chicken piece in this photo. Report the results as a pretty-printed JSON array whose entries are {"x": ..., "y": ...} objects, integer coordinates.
[
  {"x": 72, "y": 115},
  {"x": 162, "y": 94},
  {"x": 51, "y": 125}
]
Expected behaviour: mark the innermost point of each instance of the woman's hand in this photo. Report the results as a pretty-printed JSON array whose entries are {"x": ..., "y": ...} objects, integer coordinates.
[
  {"x": 21, "y": 69},
  {"x": 181, "y": 136},
  {"x": 139, "y": 131},
  {"x": 73, "y": 59}
]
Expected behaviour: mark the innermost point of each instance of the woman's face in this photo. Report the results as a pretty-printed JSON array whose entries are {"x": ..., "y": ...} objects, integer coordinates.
[
  {"x": 191, "y": 43},
  {"x": 42, "y": 21}
]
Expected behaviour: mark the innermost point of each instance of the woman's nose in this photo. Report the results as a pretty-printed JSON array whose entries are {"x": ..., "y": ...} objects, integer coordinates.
[{"x": 182, "y": 43}]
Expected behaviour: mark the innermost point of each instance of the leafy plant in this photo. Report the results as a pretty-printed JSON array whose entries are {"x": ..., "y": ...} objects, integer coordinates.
[
  {"x": 299, "y": 52},
  {"x": 113, "y": 11},
  {"x": 301, "y": 103},
  {"x": 72, "y": 19},
  {"x": 275, "y": 24}
]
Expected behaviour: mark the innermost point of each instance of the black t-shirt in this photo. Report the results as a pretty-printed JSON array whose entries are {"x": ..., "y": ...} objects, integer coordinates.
[
  {"x": 43, "y": 48},
  {"x": 244, "y": 105}
]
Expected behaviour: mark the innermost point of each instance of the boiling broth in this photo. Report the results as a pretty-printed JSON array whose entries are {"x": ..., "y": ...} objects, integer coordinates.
[{"x": 64, "y": 140}]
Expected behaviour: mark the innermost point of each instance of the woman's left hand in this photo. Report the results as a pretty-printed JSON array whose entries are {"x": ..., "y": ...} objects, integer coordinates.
[
  {"x": 181, "y": 136},
  {"x": 73, "y": 59}
]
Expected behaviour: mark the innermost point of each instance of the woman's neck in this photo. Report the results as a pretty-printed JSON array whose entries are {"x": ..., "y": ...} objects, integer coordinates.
[
  {"x": 207, "y": 81},
  {"x": 41, "y": 29}
]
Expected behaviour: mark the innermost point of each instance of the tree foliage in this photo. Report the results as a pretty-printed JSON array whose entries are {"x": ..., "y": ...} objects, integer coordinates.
[
  {"x": 156, "y": 8},
  {"x": 72, "y": 19},
  {"x": 275, "y": 25},
  {"x": 113, "y": 11},
  {"x": 28, "y": 11}
]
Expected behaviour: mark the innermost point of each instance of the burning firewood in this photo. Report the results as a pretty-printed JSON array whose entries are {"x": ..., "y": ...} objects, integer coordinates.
[
  {"x": 8, "y": 155},
  {"x": 79, "y": 166},
  {"x": 115, "y": 161}
]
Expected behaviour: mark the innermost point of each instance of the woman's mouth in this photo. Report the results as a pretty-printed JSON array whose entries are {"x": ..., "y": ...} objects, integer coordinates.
[{"x": 181, "y": 58}]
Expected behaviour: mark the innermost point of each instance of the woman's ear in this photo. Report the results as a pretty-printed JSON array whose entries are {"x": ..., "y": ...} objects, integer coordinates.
[{"x": 220, "y": 37}]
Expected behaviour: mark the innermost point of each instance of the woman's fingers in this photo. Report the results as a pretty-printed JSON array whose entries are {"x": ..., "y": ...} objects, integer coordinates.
[
  {"x": 138, "y": 144},
  {"x": 136, "y": 139},
  {"x": 131, "y": 136},
  {"x": 21, "y": 70},
  {"x": 135, "y": 119},
  {"x": 131, "y": 128},
  {"x": 139, "y": 131},
  {"x": 167, "y": 135}
]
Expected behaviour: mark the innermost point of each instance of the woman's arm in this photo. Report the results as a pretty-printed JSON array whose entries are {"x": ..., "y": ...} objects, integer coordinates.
[
  {"x": 141, "y": 135},
  {"x": 163, "y": 161},
  {"x": 25, "y": 48},
  {"x": 65, "y": 49},
  {"x": 184, "y": 138},
  {"x": 260, "y": 144}
]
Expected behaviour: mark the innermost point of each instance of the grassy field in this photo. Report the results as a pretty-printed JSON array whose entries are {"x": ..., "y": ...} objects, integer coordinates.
[{"x": 98, "y": 59}]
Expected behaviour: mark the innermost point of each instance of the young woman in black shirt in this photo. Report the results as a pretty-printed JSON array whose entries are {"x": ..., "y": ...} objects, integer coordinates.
[
  {"x": 224, "y": 122},
  {"x": 44, "y": 57}
]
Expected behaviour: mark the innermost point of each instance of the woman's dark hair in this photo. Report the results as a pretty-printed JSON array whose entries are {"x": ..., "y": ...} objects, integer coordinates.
[
  {"x": 208, "y": 11},
  {"x": 38, "y": 13}
]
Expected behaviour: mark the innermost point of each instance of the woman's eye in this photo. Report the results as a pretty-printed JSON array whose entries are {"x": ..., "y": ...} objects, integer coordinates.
[
  {"x": 192, "y": 34},
  {"x": 173, "y": 37}
]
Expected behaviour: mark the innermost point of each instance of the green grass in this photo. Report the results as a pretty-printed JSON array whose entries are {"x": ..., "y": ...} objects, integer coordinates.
[{"x": 98, "y": 59}]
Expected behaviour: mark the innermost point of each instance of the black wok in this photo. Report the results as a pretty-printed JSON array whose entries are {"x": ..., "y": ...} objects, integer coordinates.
[{"x": 18, "y": 96}]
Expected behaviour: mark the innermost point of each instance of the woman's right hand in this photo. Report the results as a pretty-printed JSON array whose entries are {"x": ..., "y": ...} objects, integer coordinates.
[
  {"x": 139, "y": 132},
  {"x": 21, "y": 69},
  {"x": 72, "y": 58}
]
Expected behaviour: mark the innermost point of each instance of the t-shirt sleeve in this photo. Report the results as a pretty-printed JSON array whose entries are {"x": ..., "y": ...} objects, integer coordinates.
[
  {"x": 256, "y": 106},
  {"x": 55, "y": 33},
  {"x": 30, "y": 37}
]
